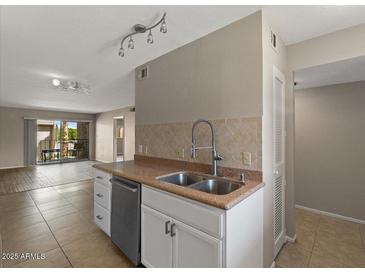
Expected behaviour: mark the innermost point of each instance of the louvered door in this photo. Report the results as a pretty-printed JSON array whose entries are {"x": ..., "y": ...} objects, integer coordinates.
[{"x": 279, "y": 159}]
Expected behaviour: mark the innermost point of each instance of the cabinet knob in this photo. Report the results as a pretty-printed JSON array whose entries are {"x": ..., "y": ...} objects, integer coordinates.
[
  {"x": 99, "y": 177},
  {"x": 99, "y": 217},
  {"x": 99, "y": 195},
  {"x": 172, "y": 233}
]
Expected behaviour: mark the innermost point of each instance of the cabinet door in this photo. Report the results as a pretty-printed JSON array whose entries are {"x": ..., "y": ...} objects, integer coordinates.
[
  {"x": 193, "y": 248},
  {"x": 156, "y": 243}
]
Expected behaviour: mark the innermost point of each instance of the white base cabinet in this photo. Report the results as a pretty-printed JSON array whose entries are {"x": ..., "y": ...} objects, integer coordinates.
[
  {"x": 102, "y": 200},
  {"x": 179, "y": 232}
]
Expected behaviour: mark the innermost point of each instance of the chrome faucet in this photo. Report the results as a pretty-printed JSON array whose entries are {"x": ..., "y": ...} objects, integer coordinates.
[{"x": 215, "y": 156}]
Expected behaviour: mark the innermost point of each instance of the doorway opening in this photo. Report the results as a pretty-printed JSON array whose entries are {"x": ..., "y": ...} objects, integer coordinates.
[{"x": 119, "y": 140}]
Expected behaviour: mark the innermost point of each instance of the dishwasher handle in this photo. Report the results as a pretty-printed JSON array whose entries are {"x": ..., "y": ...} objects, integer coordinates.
[{"x": 123, "y": 185}]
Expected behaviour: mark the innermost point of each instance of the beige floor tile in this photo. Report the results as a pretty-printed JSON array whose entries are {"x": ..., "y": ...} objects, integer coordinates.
[
  {"x": 25, "y": 233},
  {"x": 54, "y": 204},
  {"x": 318, "y": 261},
  {"x": 337, "y": 227},
  {"x": 16, "y": 222},
  {"x": 39, "y": 244},
  {"x": 96, "y": 250},
  {"x": 47, "y": 197},
  {"x": 305, "y": 239},
  {"x": 293, "y": 256},
  {"x": 19, "y": 213},
  {"x": 54, "y": 258},
  {"x": 348, "y": 251},
  {"x": 16, "y": 205},
  {"x": 58, "y": 212},
  {"x": 69, "y": 220},
  {"x": 76, "y": 232},
  {"x": 40, "y": 190},
  {"x": 362, "y": 233}
]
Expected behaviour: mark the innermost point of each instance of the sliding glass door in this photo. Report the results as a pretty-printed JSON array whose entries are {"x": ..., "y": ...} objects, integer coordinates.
[{"x": 62, "y": 141}]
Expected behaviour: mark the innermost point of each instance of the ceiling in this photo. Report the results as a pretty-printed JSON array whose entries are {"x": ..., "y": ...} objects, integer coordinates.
[
  {"x": 350, "y": 70},
  {"x": 298, "y": 23},
  {"x": 39, "y": 43}
]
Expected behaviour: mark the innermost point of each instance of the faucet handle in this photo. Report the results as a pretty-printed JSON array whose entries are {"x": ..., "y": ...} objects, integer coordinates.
[
  {"x": 218, "y": 157},
  {"x": 242, "y": 176}
]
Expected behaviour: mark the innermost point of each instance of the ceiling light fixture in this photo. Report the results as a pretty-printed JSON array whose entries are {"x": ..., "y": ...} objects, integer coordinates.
[
  {"x": 56, "y": 82},
  {"x": 71, "y": 85},
  {"x": 139, "y": 28}
]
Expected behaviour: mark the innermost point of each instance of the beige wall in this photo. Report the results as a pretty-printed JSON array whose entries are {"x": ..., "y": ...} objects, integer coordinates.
[
  {"x": 215, "y": 77},
  {"x": 12, "y": 132},
  {"x": 336, "y": 46},
  {"x": 104, "y": 134},
  {"x": 329, "y": 143}
]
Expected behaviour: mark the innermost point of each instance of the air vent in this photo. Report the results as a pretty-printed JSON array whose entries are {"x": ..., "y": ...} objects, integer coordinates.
[
  {"x": 142, "y": 73},
  {"x": 273, "y": 40}
]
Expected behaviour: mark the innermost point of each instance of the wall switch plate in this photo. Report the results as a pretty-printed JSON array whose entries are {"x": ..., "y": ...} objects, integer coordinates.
[
  {"x": 246, "y": 158},
  {"x": 140, "y": 148}
]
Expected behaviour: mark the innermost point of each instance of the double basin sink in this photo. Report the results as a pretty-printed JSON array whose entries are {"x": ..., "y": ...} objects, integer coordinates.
[{"x": 205, "y": 183}]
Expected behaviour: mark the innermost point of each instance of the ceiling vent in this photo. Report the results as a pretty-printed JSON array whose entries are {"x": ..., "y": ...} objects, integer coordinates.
[{"x": 142, "y": 73}]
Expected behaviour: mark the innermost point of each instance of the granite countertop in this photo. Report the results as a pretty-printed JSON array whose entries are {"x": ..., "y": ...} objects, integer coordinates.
[{"x": 146, "y": 173}]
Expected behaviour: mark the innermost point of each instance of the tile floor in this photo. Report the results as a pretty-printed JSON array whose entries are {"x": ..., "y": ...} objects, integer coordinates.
[
  {"x": 27, "y": 178},
  {"x": 324, "y": 242},
  {"x": 58, "y": 222}
]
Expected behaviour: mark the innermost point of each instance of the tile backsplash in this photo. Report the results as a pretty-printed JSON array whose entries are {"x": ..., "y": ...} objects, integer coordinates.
[{"x": 233, "y": 137}]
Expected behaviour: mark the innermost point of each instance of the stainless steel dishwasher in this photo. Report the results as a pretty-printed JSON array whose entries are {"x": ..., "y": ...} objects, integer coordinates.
[{"x": 126, "y": 217}]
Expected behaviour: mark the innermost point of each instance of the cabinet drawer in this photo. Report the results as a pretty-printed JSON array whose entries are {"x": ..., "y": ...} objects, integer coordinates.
[
  {"x": 204, "y": 218},
  {"x": 102, "y": 218},
  {"x": 103, "y": 178},
  {"x": 102, "y": 195}
]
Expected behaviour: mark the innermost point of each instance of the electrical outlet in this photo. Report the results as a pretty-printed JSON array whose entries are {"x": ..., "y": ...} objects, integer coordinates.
[
  {"x": 140, "y": 148},
  {"x": 180, "y": 153},
  {"x": 246, "y": 158}
]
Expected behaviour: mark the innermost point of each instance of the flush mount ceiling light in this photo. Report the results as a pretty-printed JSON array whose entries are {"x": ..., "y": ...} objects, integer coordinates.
[
  {"x": 138, "y": 29},
  {"x": 71, "y": 85}
]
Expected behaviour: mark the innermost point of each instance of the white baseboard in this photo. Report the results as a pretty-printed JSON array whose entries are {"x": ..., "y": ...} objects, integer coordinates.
[
  {"x": 291, "y": 239},
  {"x": 9, "y": 167},
  {"x": 330, "y": 214},
  {"x": 273, "y": 265}
]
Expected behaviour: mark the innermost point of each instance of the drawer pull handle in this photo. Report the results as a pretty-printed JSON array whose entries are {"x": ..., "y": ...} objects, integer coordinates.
[
  {"x": 172, "y": 233},
  {"x": 100, "y": 195},
  {"x": 167, "y": 231},
  {"x": 99, "y": 177},
  {"x": 99, "y": 217}
]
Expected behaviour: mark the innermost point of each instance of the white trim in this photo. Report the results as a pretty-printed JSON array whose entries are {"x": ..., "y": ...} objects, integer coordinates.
[
  {"x": 273, "y": 265},
  {"x": 8, "y": 167},
  {"x": 330, "y": 214},
  {"x": 291, "y": 239}
]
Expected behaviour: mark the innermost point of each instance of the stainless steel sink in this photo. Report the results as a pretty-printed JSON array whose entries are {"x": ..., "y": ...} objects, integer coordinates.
[
  {"x": 181, "y": 178},
  {"x": 218, "y": 187},
  {"x": 205, "y": 183}
]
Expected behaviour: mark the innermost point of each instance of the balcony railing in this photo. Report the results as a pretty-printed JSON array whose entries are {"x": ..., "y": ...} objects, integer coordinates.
[{"x": 56, "y": 150}]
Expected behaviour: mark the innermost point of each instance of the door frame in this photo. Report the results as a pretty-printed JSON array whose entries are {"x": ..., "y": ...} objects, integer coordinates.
[{"x": 278, "y": 243}]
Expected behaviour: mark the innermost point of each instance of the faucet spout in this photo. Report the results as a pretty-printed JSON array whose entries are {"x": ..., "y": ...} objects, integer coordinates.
[{"x": 215, "y": 156}]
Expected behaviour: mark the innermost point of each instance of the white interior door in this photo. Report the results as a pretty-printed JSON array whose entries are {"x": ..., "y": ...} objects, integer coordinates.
[{"x": 279, "y": 159}]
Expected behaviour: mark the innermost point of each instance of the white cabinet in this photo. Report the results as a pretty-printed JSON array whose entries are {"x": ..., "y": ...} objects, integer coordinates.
[
  {"x": 167, "y": 242},
  {"x": 179, "y": 232},
  {"x": 102, "y": 200},
  {"x": 156, "y": 244},
  {"x": 193, "y": 248}
]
